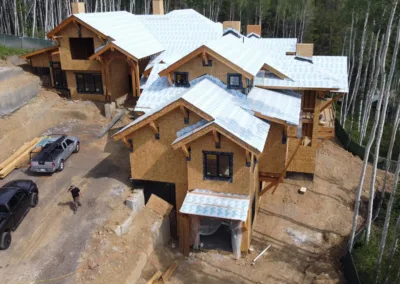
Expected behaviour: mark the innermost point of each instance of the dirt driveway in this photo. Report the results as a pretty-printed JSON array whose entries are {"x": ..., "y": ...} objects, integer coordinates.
[{"x": 48, "y": 244}]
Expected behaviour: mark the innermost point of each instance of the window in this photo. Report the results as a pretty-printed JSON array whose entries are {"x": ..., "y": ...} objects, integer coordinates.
[
  {"x": 81, "y": 48},
  {"x": 234, "y": 81},
  {"x": 182, "y": 79},
  {"x": 209, "y": 63},
  {"x": 13, "y": 202},
  {"x": 218, "y": 166},
  {"x": 59, "y": 79},
  {"x": 20, "y": 195},
  {"x": 89, "y": 83},
  {"x": 41, "y": 71}
]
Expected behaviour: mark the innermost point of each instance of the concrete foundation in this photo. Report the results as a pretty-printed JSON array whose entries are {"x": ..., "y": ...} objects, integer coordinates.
[
  {"x": 135, "y": 202},
  {"x": 8, "y": 72}
]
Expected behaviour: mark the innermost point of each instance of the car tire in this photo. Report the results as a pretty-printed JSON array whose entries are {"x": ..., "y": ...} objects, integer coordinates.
[
  {"x": 77, "y": 148},
  {"x": 5, "y": 240},
  {"x": 34, "y": 199},
  {"x": 61, "y": 166}
]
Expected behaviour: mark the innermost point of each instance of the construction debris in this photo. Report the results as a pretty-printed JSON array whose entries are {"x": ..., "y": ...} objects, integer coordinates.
[
  {"x": 115, "y": 119},
  {"x": 154, "y": 279},
  {"x": 302, "y": 190},
  {"x": 159, "y": 205},
  {"x": 258, "y": 256},
  {"x": 19, "y": 158},
  {"x": 169, "y": 272}
]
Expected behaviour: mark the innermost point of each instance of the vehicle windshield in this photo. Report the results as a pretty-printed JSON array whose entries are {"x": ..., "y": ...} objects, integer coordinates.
[{"x": 3, "y": 209}]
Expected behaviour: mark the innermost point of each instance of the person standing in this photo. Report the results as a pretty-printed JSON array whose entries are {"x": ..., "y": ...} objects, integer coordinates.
[{"x": 76, "y": 194}]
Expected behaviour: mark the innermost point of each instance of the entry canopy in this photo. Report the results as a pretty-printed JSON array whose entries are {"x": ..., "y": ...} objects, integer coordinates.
[{"x": 215, "y": 204}]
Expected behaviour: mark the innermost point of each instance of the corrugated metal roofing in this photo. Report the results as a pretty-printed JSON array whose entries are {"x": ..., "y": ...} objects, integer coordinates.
[
  {"x": 284, "y": 105},
  {"x": 218, "y": 205},
  {"x": 126, "y": 29}
]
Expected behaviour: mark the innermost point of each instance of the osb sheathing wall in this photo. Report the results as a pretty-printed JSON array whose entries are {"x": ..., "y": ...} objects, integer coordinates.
[
  {"x": 55, "y": 57},
  {"x": 273, "y": 158},
  {"x": 244, "y": 181},
  {"x": 41, "y": 60},
  {"x": 156, "y": 160},
  {"x": 71, "y": 81},
  {"x": 119, "y": 71},
  {"x": 218, "y": 69},
  {"x": 66, "y": 61},
  {"x": 304, "y": 161}
]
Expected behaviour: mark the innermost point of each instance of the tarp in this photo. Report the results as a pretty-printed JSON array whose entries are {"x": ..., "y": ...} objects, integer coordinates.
[{"x": 214, "y": 204}]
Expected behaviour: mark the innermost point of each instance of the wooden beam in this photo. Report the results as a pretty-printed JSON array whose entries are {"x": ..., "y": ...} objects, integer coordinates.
[
  {"x": 154, "y": 279},
  {"x": 185, "y": 151},
  {"x": 170, "y": 79},
  {"x": 125, "y": 140},
  {"x": 205, "y": 58},
  {"x": 167, "y": 274},
  {"x": 216, "y": 136},
  {"x": 137, "y": 78},
  {"x": 265, "y": 189},
  {"x": 133, "y": 79},
  {"x": 272, "y": 119},
  {"x": 184, "y": 111},
  {"x": 153, "y": 127},
  {"x": 331, "y": 102}
]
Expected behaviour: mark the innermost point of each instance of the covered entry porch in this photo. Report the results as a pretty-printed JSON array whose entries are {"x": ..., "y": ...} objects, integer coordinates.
[{"x": 205, "y": 213}]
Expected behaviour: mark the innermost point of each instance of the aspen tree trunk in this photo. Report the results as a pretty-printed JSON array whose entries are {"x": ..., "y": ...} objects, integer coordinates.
[
  {"x": 393, "y": 249},
  {"x": 359, "y": 69},
  {"x": 387, "y": 222},
  {"x": 34, "y": 18},
  {"x": 386, "y": 89},
  {"x": 364, "y": 167}
]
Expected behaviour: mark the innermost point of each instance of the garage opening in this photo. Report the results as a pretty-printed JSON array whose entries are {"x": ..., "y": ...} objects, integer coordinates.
[
  {"x": 165, "y": 191},
  {"x": 216, "y": 234}
]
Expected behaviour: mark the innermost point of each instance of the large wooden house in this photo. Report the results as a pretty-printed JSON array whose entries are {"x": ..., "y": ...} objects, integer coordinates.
[{"x": 223, "y": 116}]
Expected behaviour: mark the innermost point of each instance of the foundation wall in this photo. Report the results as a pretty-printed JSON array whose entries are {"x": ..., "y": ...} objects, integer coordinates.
[
  {"x": 65, "y": 54},
  {"x": 273, "y": 158},
  {"x": 218, "y": 69},
  {"x": 241, "y": 173},
  {"x": 156, "y": 160}
]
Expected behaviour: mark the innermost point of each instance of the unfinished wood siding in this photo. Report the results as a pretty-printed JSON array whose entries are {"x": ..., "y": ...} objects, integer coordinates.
[
  {"x": 218, "y": 69},
  {"x": 156, "y": 160},
  {"x": 241, "y": 173},
  {"x": 71, "y": 31},
  {"x": 273, "y": 158},
  {"x": 304, "y": 161},
  {"x": 41, "y": 60},
  {"x": 119, "y": 72},
  {"x": 55, "y": 57},
  {"x": 71, "y": 81}
]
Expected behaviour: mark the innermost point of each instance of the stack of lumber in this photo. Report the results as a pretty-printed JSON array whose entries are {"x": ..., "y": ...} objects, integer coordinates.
[{"x": 19, "y": 158}]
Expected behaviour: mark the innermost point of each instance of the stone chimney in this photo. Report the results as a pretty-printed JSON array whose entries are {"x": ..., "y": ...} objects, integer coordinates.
[
  {"x": 158, "y": 7},
  {"x": 78, "y": 7},
  {"x": 233, "y": 25},
  {"x": 305, "y": 50},
  {"x": 254, "y": 29}
]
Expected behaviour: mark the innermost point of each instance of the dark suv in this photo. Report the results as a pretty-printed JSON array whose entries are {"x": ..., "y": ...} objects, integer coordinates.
[{"x": 16, "y": 199}]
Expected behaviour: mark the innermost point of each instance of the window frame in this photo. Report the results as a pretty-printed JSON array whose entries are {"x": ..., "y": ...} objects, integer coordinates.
[
  {"x": 73, "y": 41},
  {"x": 94, "y": 75},
  {"x": 234, "y": 86},
  {"x": 182, "y": 74},
  {"x": 218, "y": 154}
]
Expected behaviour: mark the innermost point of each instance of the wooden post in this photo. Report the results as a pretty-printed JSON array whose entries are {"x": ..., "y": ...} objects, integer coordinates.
[
  {"x": 184, "y": 238},
  {"x": 137, "y": 79}
]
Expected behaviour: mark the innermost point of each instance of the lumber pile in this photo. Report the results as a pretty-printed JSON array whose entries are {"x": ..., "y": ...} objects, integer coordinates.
[
  {"x": 18, "y": 158},
  {"x": 160, "y": 277}
]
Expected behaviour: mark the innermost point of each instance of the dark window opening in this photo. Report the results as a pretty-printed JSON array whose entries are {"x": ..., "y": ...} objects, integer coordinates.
[
  {"x": 13, "y": 202},
  {"x": 181, "y": 79},
  {"x": 218, "y": 166},
  {"x": 81, "y": 48},
  {"x": 60, "y": 79},
  {"x": 284, "y": 137},
  {"x": 41, "y": 71},
  {"x": 89, "y": 83},
  {"x": 207, "y": 64},
  {"x": 234, "y": 81}
]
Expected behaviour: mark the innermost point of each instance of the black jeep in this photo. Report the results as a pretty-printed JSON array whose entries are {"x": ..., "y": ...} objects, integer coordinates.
[{"x": 16, "y": 199}]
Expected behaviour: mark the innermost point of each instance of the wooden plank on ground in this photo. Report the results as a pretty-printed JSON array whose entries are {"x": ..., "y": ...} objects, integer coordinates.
[
  {"x": 169, "y": 272},
  {"x": 17, "y": 153},
  {"x": 154, "y": 278}
]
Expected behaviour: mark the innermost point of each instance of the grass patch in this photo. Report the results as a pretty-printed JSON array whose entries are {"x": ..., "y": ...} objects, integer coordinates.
[
  {"x": 8, "y": 51},
  {"x": 365, "y": 256}
]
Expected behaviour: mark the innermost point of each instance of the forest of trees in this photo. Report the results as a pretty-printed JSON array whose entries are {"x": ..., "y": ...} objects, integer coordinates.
[{"x": 367, "y": 31}]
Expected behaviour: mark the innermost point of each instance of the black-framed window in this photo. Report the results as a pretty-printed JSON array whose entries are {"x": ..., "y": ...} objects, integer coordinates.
[
  {"x": 218, "y": 166},
  {"x": 41, "y": 71},
  {"x": 81, "y": 48},
  {"x": 234, "y": 81},
  {"x": 181, "y": 79},
  {"x": 89, "y": 83}
]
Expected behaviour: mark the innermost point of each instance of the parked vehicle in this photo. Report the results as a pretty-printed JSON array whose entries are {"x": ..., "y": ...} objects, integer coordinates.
[
  {"x": 54, "y": 154},
  {"x": 16, "y": 199}
]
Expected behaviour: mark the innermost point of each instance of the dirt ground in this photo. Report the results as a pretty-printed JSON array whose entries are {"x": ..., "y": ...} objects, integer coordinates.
[{"x": 48, "y": 245}]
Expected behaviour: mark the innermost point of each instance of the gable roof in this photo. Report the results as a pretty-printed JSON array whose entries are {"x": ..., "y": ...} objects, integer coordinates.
[
  {"x": 39, "y": 51},
  {"x": 123, "y": 29},
  {"x": 221, "y": 110},
  {"x": 281, "y": 105},
  {"x": 180, "y": 32}
]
